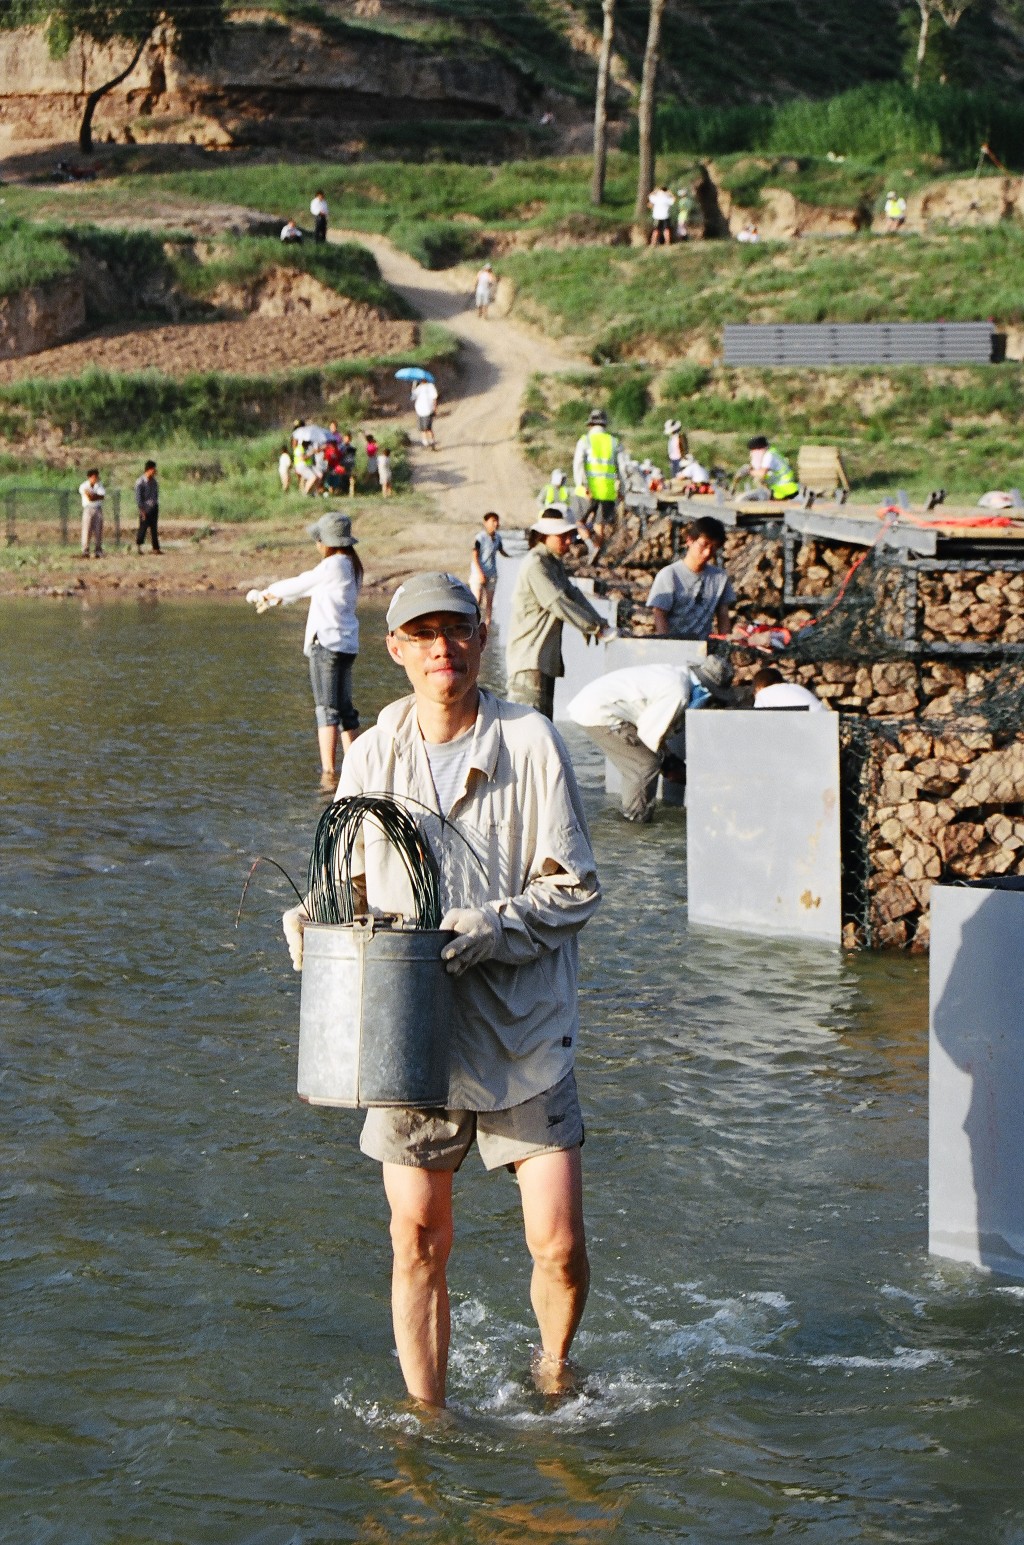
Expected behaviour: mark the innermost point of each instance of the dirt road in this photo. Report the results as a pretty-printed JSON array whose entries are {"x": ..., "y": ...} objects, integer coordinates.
[{"x": 479, "y": 465}]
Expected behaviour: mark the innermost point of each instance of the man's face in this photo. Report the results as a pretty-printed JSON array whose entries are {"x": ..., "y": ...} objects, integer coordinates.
[
  {"x": 490, "y": 526},
  {"x": 94, "y": 478},
  {"x": 700, "y": 551},
  {"x": 151, "y": 472},
  {"x": 444, "y": 671},
  {"x": 559, "y": 545}
]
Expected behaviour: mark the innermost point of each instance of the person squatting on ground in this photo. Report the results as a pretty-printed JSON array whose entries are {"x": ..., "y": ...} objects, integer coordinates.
[
  {"x": 597, "y": 469},
  {"x": 501, "y": 776},
  {"x": 543, "y": 599},
  {"x": 770, "y": 470},
  {"x": 691, "y": 597},
  {"x": 483, "y": 567},
  {"x": 92, "y": 493},
  {"x": 631, "y": 714},
  {"x": 332, "y": 630},
  {"x": 147, "y": 502}
]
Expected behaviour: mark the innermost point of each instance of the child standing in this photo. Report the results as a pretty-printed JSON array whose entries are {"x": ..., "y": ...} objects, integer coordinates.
[
  {"x": 284, "y": 468},
  {"x": 384, "y": 470}
]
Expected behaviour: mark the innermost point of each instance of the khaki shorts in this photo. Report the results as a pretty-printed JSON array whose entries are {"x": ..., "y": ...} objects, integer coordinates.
[{"x": 441, "y": 1139}]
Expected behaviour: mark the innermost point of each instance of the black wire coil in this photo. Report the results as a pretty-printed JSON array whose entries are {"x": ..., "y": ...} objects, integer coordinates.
[{"x": 330, "y": 887}]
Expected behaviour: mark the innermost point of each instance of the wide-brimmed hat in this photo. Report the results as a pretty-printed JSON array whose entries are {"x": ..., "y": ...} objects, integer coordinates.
[
  {"x": 715, "y": 675},
  {"x": 554, "y": 521},
  {"x": 597, "y": 416},
  {"x": 432, "y": 592},
  {"x": 333, "y": 530},
  {"x": 672, "y": 426}
]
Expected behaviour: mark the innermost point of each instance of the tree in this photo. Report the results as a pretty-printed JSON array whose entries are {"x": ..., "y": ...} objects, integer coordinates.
[
  {"x": 601, "y": 103},
  {"x": 190, "y": 26},
  {"x": 950, "y": 11},
  {"x": 645, "y": 110}
]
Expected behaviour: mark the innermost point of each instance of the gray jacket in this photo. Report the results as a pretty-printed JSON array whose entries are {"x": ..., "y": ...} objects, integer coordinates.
[{"x": 543, "y": 599}]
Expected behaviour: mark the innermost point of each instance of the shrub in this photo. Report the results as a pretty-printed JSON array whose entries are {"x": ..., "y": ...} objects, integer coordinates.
[
  {"x": 31, "y": 254},
  {"x": 629, "y": 400},
  {"x": 684, "y": 381}
]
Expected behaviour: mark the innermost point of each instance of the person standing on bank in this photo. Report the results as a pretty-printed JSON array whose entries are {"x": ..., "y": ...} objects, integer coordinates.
[
  {"x": 332, "y": 631},
  {"x": 147, "y": 502},
  {"x": 424, "y": 402},
  {"x": 501, "y": 775},
  {"x": 318, "y": 209},
  {"x": 92, "y": 494},
  {"x": 543, "y": 599}
]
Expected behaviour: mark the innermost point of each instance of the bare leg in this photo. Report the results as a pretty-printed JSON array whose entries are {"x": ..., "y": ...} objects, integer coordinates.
[
  {"x": 421, "y": 1238},
  {"x": 551, "y": 1187},
  {"x": 327, "y": 736},
  {"x": 347, "y": 738}
]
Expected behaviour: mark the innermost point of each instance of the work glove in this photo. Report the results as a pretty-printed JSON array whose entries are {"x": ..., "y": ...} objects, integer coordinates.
[
  {"x": 262, "y": 599},
  {"x": 478, "y": 935},
  {"x": 293, "y": 922}
]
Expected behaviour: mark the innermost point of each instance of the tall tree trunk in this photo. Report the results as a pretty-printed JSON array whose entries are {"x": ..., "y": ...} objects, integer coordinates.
[
  {"x": 601, "y": 103},
  {"x": 94, "y": 97},
  {"x": 924, "y": 6},
  {"x": 645, "y": 111}
]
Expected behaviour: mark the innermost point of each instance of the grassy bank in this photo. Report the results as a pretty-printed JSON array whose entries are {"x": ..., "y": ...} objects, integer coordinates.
[
  {"x": 663, "y": 302},
  {"x": 898, "y": 428}
]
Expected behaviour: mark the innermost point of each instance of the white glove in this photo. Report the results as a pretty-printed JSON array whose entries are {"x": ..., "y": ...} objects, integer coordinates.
[
  {"x": 293, "y": 922},
  {"x": 478, "y": 935}
]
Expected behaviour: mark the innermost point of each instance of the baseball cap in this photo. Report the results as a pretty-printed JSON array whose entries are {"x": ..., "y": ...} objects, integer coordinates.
[
  {"x": 333, "y": 530},
  {"x": 433, "y": 592}
]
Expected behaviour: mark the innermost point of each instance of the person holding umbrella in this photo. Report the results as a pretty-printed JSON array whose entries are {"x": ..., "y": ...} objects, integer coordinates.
[
  {"x": 424, "y": 401},
  {"x": 332, "y": 631}
]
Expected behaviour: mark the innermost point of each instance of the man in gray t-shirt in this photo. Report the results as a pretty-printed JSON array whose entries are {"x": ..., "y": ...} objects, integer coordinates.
[{"x": 691, "y": 598}]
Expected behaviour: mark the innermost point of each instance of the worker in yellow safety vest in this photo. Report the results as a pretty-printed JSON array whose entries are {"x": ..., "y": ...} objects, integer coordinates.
[
  {"x": 554, "y": 490},
  {"x": 771, "y": 469},
  {"x": 597, "y": 471}
]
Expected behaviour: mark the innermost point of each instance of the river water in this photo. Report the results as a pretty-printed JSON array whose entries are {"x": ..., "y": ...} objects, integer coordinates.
[{"x": 194, "y": 1265}]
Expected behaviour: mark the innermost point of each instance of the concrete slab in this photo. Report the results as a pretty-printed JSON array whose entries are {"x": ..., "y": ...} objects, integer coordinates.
[
  {"x": 762, "y": 822},
  {"x": 976, "y": 1078}
]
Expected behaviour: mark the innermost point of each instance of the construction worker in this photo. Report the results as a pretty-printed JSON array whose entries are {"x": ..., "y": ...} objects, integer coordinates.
[
  {"x": 770, "y": 468},
  {"x": 597, "y": 471},
  {"x": 554, "y": 490},
  {"x": 895, "y": 210}
]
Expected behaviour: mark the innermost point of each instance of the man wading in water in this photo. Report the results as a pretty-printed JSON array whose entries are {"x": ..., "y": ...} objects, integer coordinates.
[{"x": 501, "y": 775}]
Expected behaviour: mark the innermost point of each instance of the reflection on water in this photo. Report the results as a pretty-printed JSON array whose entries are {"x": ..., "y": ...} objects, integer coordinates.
[{"x": 195, "y": 1266}]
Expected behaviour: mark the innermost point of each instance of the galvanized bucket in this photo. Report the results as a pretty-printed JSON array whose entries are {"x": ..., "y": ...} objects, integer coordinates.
[{"x": 375, "y": 1015}]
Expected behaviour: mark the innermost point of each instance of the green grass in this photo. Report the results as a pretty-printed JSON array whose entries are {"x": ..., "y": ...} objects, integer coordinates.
[
  {"x": 31, "y": 255},
  {"x": 898, "y": 428},
  {"x": 879, "y": 124},
  {"x": 112, "y": 410},
  {"x": 643, "y": 303},
  {"x": 348, "y": 269}
]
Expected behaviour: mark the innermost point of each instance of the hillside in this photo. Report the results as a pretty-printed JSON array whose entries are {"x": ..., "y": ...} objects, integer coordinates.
[{"x": 403, "y": 76}]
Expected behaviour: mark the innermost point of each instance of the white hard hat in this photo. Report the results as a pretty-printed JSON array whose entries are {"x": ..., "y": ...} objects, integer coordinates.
[{"x": 558, "y": 476}]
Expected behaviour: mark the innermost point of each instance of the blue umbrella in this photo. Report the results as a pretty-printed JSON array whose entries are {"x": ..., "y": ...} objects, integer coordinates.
[{"x": 412, "y": 373}]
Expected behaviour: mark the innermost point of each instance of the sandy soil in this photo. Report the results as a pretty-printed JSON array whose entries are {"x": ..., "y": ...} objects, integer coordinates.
[{"x": 477, "y": 467}]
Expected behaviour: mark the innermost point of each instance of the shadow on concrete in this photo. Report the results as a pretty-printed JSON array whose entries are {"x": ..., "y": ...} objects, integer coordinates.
[{"x": 977, "y": 1171}]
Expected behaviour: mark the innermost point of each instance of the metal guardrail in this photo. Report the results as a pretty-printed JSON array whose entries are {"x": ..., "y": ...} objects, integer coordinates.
[
  {"x": 859, "y": 343},
  {"x": 40, "y": 509}
]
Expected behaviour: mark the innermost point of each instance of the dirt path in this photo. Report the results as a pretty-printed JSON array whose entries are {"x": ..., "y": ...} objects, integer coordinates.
[{"x": 479, "y": 465}]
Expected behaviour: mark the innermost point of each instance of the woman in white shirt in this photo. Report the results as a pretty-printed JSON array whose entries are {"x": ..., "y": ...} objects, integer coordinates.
[{"x": 332, "y": 631}]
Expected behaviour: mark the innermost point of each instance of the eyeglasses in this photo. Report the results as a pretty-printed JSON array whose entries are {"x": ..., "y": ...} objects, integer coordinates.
[{"x": 455, "y": 633}]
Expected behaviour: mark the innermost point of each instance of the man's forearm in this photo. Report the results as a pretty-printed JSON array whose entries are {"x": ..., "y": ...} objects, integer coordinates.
[{"x": 660, "y": 622}]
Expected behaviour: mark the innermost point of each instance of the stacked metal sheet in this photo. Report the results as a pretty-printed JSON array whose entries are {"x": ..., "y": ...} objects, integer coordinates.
[{"x": 860, "y": 343}]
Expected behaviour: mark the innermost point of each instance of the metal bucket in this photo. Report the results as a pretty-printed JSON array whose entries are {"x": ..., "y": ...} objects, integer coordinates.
[{"x": 375, "y": 1015}]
